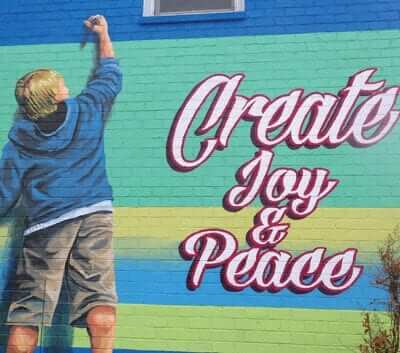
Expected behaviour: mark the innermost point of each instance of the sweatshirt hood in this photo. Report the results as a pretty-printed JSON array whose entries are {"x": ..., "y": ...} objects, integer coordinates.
[{"x": 26, "y": 134}]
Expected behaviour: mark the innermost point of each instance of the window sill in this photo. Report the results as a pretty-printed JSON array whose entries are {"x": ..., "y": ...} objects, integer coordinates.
[{"x": 226, "y": 16}]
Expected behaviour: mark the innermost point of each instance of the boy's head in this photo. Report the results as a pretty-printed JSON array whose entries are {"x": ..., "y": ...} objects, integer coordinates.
[{"x": 39, "y": 91}]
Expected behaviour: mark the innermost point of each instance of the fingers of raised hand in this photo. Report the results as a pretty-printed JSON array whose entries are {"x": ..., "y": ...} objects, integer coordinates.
[
  {"x": 88, "y": 24},
  {"x": 95, "y": 20},
  {"x": 99, "y": 20}
]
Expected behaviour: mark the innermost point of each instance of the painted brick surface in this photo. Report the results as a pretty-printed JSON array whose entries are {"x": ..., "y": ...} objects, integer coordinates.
[
  {"x": 268, "y": 17},
  {"x": 279, "y": 46}
]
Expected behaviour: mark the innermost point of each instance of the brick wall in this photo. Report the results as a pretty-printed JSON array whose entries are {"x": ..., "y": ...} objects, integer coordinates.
[{"x": 278, "y": 46}]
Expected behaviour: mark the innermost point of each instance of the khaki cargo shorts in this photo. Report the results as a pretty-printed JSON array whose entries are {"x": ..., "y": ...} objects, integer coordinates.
[{"x": 78, "y": 252}]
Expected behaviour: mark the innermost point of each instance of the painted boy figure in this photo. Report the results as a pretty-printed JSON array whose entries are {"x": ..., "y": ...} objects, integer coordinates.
[{"x": 55, "y": 160}]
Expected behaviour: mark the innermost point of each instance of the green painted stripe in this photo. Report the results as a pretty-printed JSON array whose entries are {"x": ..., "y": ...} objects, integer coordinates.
[
  {"x": 234, "y": 330},
  {"x": 158, "y": 76}
]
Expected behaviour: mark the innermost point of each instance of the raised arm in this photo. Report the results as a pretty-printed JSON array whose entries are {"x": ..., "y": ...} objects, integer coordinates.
[{"x": 106, "y": 82}]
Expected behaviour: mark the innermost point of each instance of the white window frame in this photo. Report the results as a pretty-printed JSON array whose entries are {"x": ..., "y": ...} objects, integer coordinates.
[{"x": 149, "y": 9}]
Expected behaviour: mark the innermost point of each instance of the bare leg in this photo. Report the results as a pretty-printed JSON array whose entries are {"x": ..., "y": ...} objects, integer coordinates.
[
  {"x": 22, "y": 339},
  {"x": 101, "y": 326}
]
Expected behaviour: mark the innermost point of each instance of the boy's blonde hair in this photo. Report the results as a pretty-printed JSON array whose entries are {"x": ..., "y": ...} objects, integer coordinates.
[{"x": 35, "y": 92}]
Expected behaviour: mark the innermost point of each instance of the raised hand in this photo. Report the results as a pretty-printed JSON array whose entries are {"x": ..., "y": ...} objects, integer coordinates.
[{"x": 97, "y": 24}]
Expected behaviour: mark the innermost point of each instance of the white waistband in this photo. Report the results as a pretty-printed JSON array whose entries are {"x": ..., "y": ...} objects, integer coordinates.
[{"x": 100, "y": 206}]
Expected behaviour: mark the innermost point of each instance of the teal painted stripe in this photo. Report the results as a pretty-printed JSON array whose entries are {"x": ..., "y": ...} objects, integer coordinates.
[{"x": 159, "y": 75}]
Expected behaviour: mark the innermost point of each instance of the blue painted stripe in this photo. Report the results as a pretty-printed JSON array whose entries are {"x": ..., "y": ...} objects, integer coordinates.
[
  {"x": 156, "y": 282},
  {"x": 87, "y": 350},
  {"x": 163, "y": 282},
  {"x": 46, "y": 21}
]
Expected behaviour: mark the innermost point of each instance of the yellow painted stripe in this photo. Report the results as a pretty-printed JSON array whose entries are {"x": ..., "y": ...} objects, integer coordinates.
[
  {"x": 155, "y": 230},
  {"x": 158, "y": 231}
]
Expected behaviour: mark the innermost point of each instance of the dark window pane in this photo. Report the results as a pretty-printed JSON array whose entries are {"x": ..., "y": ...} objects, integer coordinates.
[{"x": 166, "y": 6}]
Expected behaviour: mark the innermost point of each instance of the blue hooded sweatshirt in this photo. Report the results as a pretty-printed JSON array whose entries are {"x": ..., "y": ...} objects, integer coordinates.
[{"x": 62, "y": 175}]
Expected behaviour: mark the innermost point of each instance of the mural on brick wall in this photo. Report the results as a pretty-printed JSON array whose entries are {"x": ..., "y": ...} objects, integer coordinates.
[
  {"x": 361, "y": 114},
  {"x": 279, "y": 259}
]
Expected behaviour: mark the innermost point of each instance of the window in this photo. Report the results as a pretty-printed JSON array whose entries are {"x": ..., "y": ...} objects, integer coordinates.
[{"x": 189, "y": 7}]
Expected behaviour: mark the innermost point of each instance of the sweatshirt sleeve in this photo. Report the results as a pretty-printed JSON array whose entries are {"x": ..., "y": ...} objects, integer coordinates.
[
  {"x": 10, "y": 179},
  {"x": 105, "y": 84}
]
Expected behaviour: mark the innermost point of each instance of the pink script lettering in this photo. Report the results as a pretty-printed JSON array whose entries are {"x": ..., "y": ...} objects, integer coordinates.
[
  {"x": 267, "y": 269},
  {"x": 362, "y": 114},
  {"x": 318, "y": 119}
]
